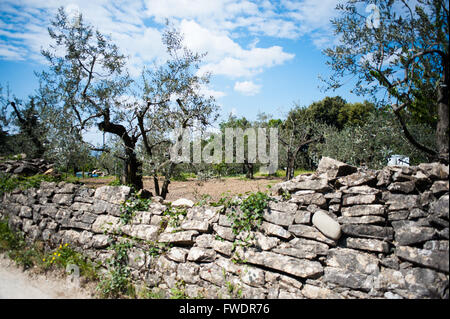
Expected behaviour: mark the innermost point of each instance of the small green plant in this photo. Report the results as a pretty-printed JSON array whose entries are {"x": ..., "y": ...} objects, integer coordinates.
[
  {"x": 117, "y": 281},
  {"x": 179, "y": 291},
  {"x": 286, "y": 195},
  {"x": 151, "y": 293},
  {"x": 14, "y": 244},
  {"x": 28, "y": 255},
  {"x": 115, "y": 182},
  {"x": 250, "y": 212},
  {"x": 156, "y": 249},
  {"x": 64, "y": 255},
  {"x": 205, "y": 198},
  {"x": 174, "y": 215},
  {"x": 132, "y": 205}
]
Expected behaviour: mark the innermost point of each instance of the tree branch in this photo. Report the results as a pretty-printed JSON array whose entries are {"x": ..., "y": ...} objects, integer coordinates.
[{"x": 410, "y": 138}]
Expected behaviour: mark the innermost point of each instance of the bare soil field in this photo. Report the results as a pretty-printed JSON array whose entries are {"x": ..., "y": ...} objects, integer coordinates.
[{"x": 195, "y": 190}]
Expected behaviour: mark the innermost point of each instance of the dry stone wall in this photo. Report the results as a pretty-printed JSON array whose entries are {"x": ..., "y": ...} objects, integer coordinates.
[{"x": 342, "y": 232}]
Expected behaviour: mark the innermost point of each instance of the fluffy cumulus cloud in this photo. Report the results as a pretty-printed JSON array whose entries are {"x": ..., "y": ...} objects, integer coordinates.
[
  {"x": 225, "y": 56},
  {"x": 247, "y": 88},
  {"x": 225, "y": 29}
]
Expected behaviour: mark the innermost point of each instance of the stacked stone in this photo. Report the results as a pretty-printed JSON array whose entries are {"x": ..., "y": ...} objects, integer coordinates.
[
  {"x": 343, "y": 232},
  {"x": 26, "y": 167},
  {"x": 394, "y": 225}
]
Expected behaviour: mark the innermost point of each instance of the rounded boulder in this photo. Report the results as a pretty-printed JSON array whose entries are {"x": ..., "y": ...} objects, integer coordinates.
[{"x": 326, "y": 225}]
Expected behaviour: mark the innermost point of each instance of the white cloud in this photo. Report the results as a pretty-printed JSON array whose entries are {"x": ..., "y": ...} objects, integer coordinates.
[
  {"x": 223, "y": 28},
  {"x": 207, "y": 91},
  {"x": 10, "y": 52},
  {"x": 247, "y": 88},
  {"x": 227, "y": 57}
]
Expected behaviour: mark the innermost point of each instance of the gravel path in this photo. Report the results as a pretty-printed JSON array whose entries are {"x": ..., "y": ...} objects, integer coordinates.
[{"x": 17, "y": 284}]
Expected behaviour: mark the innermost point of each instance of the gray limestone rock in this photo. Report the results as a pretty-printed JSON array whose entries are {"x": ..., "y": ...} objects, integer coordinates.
[
  {"x": 402, "y": 187},
  {"x": 113, "y": 194},
  {"x": 298, "y": 267},
  {"x": 361, "y": 220},
  {"x": 279, "y": 218},
  {"x": 275, "y": 230},
  {"x": 177, "y": 254},
  {"x": 363, "y": 210},
  {"x": 333, "y": 168},
  {"x": 368, "y": 244},
  {"x": 358, "y": 178},
  {"x": 434, "y": 259},
  {"x": 310, "y": 233},
  {"x": 181, "y": 238},
  {"x": 345, "y": 278},
  {"x": 411, "y": 234},
  {"x": 359, "y": 199},
  {"x": 368, "y": 231}
]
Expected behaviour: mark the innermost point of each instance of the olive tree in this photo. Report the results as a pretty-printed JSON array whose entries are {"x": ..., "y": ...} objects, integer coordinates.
[
  {"x": 88, "y": 84},
  {"x": 173, "y": 103},
  {"x": 371, "y": 143},
  {"x": 22, "y": 119},
  {"x": 298, "y": 131},
  {"x": 399, "y": 56}
]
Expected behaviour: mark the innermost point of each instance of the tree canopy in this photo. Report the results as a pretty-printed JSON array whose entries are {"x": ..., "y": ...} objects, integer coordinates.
[{"x": 401, "y": 61}]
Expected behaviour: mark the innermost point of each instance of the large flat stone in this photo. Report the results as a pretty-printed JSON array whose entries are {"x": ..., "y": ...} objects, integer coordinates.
[
  {"x": 359, "y": 199},
  {"x": 440, "y": 207},
  {"x": 306, "y": 198},
  {"x": 113, "y": 194},
  {"x": 201, "y": 226},
  {"x": 368, "y": 244},
  {"x": 106, "y": 223},
  {"x": 361, "y": 220},
  {"x": 333, "y": 168},
  {"x": 145, "y": 232},
  {"x": 401, "y": 201},
  {"x": 314, "y": 292},
  {"x": 182, "y": 238},
  {"x": 435, "y": 259},
  {"x": 183, "y": 202},
  {"x": 299, "y": 252},
  {"x": 313, "y": 246},
  {"x": 198, "y": 254},
  {"x": 368, "y": 231},
  {"x": 402, "y": 187},
  {"x": 363, "y": 190},
  {"x": 224, "y": 232},
  {"x": 345, "y": 278},
  {"x": 311, "y": 233},
  {"x": 63, "y": 199},
  {"x": 279, "y": 218},
  {"x": 358, "y": 178},
  {"x": 363, "y": 210},
  {"x": 435, "y": 170},
  {"x": 352, "y": 260},
  {"x": 275, "y": 230},
  {"x": 411, "y": 234},
  {"x": 294, "y": 266},
  {"x": 283, "y": 206}
]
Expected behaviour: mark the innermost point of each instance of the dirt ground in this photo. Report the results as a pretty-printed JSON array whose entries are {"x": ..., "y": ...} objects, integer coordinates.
[
  {"x": 17, "y": 284},
  {"x": 195, "y": 190}
]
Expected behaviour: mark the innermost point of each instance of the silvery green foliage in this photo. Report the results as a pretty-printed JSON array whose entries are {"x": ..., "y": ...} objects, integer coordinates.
[
  {"x": 372, "y": 143},
  {"x": 399, "y": 57}
]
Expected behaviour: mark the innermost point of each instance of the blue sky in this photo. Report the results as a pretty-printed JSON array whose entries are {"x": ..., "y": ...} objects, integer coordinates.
[{"x": 264, "y": 55}]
